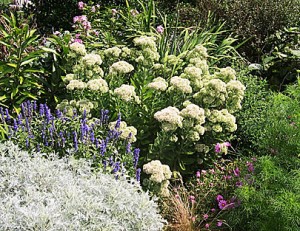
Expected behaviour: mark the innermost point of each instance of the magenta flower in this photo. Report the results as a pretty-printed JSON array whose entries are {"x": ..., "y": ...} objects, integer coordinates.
[
  {"x": 198, "y": 174},
  {"x": 222, "y": 204},
  {"x": 75, "y": 19},
  {"x": 205, "y": 216},
  {"x": 220, "y": 223},
  {"x": 192, "y": 198},
  {"x": 219, "y": 197},
  {"x": 239, "y": 184},
  {"x": 213, "y": 210},
  {"x": 160, "y": 29},
  {"x": 250, "y": 166},
  {"x": 218, "y": 148},
  {"x": 207, "y": 225},
  {"x": 236, "y": 172},
  {"x": 227, "y": 144},
  {"x": 81, "y": 5}
]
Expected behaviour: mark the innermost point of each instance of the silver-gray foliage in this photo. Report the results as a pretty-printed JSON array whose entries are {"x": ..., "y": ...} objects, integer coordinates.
[{"x": 38, "y": 193}]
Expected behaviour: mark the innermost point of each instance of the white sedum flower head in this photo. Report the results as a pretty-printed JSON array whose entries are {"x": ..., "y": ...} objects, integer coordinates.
[
  {"x": 78, "y": 48},
  {"x": 113, "y": 52},
  {"x": 158, "y": 171},
  {"x": 76, "y": 84},
  {"x": 195, "y": 112},
  {"x": 127, "y": 93},
  {"x": 121, "y": 67},
  {"x": 170, "y": 118},
  {"x": 180, "y": 84},
  {"x": 91, "y": 60},
  {"x": 98, "y": 85},
  {"x": 145, "y": 41},
  {"x": 158, "y": 84}
]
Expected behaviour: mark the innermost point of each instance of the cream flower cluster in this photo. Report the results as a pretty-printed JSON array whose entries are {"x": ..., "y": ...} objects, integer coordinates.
[
  {"x": 198, "y": 52},
  {"x": 221, "y": 120},
  {"x": 98, "y": 85},
  {"x": 159, "y": 172},
  {"x": 127, "y": 93},
  {"x": 69, "y": 108},
  {"x": 170, "y": 118},
  {"x": 68, "y": 78},
  {"x": 193, "y": 111},
  {"x": 200, "y": 63},
  {"x": 213, "y": 94},
  {"x": 180, "y": 84},
  {"x": 127, "y": 132},
  {"x": 113, "y": 52},
  {"x": 236, "y": 91},
  {"x": 78, "y": 48},
  {"x": 148, "y": 53},
  {"x": 158, "y": 84},
  {"x": 91, "y": 60},
  {"x": 145, "y": 41},
  {"x": 173, "y": 60},
  {"x": 194, "y": 74},
  {"x": 226, "y": 74},
  {"x": 121, "y": 67},
  {"x": 76, "y": 84}
]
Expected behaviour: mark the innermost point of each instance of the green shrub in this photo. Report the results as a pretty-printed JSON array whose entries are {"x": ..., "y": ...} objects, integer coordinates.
[
  {"x": 272, "y": 202},
  {"x": 38, "y": 193}
]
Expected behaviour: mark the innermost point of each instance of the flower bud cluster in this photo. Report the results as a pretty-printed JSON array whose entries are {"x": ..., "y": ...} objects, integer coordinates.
[
  {"x": 158, "y": 84},
  {"x": 180, "y": 85},
  {"x": 121, "y": 67},
  {"x": 148, "y": 53},
  {"x": 221, "y": 120},
  {"x": 170, "y": 118},
  {"x": 98, "y": 85},
  {"x": 127, "y": 93},
  {"x": 78, "y": 48}
]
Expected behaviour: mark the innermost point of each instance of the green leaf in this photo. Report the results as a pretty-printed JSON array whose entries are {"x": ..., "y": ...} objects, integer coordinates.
[
  {"x": 296, "y": 53},
  {"x": 28, "y": 61},
  {"x": 49, "y": 50},
  {"x": 12, "y": 65},
  {"x": 181, "y": 165}
]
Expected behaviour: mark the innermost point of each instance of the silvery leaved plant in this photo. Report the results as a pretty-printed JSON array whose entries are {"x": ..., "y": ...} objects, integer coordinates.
[
  {"x": 38, "y": 193},
  {"x": 108, "y": 144}
]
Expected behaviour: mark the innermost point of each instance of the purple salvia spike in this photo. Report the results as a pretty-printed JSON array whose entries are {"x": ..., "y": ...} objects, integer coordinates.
[
  {"x": 138, "y": 174},
  {"x": 7, "y": 115},
  {"x": 136, "y": 154}
]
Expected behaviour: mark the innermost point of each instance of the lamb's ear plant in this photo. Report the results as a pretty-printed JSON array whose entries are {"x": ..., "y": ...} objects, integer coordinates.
[
  {"x": 20, "y": 72},
  {"x": 38, "y": 193}
]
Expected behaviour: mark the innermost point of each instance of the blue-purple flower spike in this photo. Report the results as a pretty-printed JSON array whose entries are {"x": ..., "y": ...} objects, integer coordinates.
[
  {"x": 118, "y": 121},
  {"x": 138, "y": 174},
  {"x": 136, "y": 154}
]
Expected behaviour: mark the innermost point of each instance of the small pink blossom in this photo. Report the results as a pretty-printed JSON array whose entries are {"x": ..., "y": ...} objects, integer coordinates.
[
  {"x": 213, "y": 210},
  {"x": 236, "y": 172},
  {"x": 193, "y": 219},
  {"x": 204, "y": 172},
  {"x": 56, "y": 33},
  {"x": 219, "y": 197},
  {"x": 198, "y": 174},
  {"x": 220, "y": 223},
  {"x": 218, "y": 148},
  {"x": 81, "y": 5},
  {"x": 207, "y": 225},
  {"x": 160, "y": 29},
  {"x": 93, "y": 9},
  {"x": 205, "y": 216}
]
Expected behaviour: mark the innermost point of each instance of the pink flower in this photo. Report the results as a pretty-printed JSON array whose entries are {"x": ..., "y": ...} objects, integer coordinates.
[
  {"x": 227, "y": 144},
  {"x": 219, "y": 197},
  {"x": 93, "y": 9},
  {"x": 77, "y": 40},
  {"x": 213, "y": 210},
  {"x": 192, "y": 198},
  {"x": 205, "y": 216},
  {"x": 81, "y": 5},
  {"x": 198, "y": 174},
  {"x": 236, "y": 172},
  {"x": 207, "y": 225},
  {"x": 222, "y": 204},
  {"x": 56, "y": 33},
  {"x": 160, "y": 29},
  {"x": 212, "y": 171},
  {"x": 250, "y": 166},
  {"x": 218, "y": 148},
  {"x": 75, "y": 19},
  {"x": 193, "y": 219},
  {"x": 220, "y": 223},
  {"x": 77, "y": 35}
]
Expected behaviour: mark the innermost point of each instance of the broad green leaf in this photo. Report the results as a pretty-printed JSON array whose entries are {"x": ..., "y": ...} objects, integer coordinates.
[
  {"x": 296, "y": 53},
  {"x": 49, "y": 50},
  {"x": 28, "y": 61}
]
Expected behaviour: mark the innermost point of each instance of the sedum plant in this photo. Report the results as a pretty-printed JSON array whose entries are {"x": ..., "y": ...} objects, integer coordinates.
[
  {"x": 38, "y": 193},
  {"x": 177, "y": 103}
]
